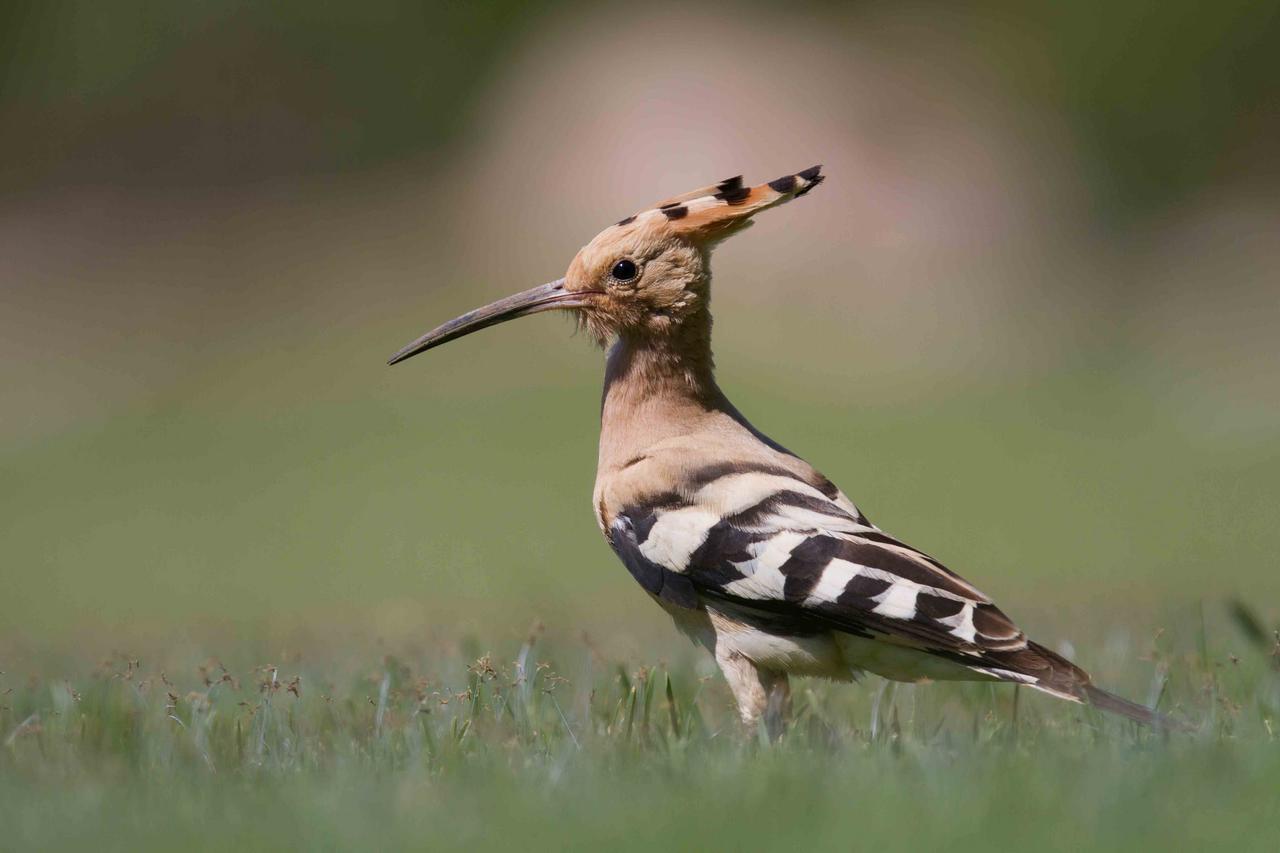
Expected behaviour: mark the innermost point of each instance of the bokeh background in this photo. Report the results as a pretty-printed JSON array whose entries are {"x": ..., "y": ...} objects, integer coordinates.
[{"x": 1030, "y": 323}]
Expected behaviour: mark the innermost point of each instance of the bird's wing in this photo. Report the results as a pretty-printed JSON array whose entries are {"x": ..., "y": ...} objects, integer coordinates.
[
  {"x": 789, "y": 553},
  {"x": 801, "y": 557}
]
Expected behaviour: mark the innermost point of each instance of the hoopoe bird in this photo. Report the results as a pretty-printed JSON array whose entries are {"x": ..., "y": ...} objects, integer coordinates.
[{"x": 755, "y": 554}]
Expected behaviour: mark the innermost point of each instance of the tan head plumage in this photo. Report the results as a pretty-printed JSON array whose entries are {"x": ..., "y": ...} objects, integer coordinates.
[
  {"x": 650, "y": 272},
  {"x": 647, "y": 275}
]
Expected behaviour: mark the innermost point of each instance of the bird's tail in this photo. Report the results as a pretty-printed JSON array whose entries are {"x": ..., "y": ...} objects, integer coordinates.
[
  {"x": 1110, "y": 702},
  {"x": 1059, "y": 677}
]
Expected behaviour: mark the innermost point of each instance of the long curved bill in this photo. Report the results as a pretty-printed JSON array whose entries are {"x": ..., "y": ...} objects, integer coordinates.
[{"x": 544, "y": 297}]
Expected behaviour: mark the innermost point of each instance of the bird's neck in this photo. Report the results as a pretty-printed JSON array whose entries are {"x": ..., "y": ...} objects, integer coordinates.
[{"x": 657, "y": 387}]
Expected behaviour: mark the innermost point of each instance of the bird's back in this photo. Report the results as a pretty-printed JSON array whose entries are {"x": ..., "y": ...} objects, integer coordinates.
[{"x": 708, "y": 514}]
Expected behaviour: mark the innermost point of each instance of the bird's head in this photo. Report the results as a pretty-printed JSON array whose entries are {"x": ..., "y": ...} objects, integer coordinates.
[{"x": 644, "y": 276}]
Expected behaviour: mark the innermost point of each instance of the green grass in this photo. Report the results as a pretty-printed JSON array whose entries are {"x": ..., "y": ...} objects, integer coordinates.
[{"x": 555, "y": 744}]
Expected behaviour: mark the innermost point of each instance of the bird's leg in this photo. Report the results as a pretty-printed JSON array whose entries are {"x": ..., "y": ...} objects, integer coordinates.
[
  {"x": 744, "y": 680},
  {"x": 886, "y": 687},
  {"x": 758, "y": 692},
  {"x": 777, "y": 711}
]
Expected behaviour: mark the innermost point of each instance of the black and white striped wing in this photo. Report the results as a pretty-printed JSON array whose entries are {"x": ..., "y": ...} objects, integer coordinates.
[{"x": 802, "y": 559}]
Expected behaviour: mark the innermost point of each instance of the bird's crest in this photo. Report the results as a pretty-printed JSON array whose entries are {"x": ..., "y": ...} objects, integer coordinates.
[{"x": 718, "y": 210}]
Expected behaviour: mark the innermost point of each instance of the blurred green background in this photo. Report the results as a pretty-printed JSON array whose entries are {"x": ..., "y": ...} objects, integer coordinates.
[{"x": 1029, "y": 324}]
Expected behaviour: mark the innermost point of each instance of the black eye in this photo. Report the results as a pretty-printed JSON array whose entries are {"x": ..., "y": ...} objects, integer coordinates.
[{"x": 624, "y": 270}]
